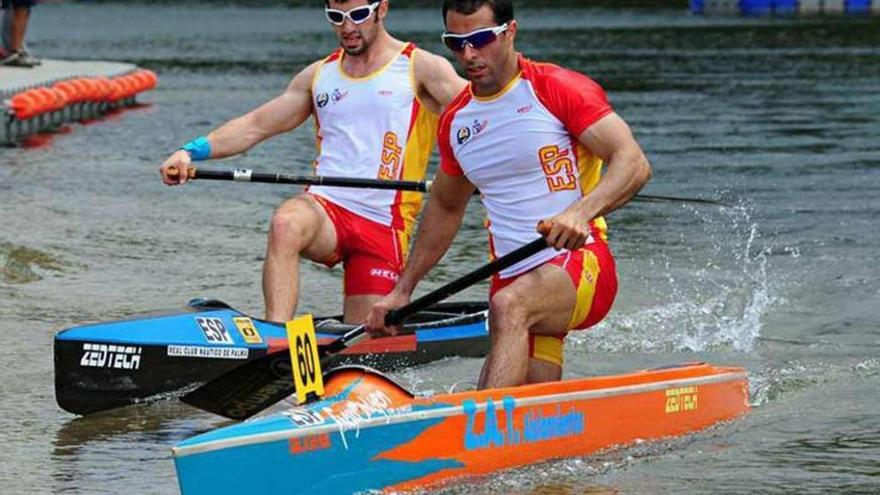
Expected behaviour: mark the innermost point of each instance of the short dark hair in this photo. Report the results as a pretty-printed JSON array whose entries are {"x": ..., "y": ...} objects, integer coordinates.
[{"x": 502, "y": 10}]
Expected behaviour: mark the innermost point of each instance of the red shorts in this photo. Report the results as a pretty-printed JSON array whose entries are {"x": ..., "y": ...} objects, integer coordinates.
[
  {"x": 594, "y": 276},
  {"x": 372, "y": 254}
]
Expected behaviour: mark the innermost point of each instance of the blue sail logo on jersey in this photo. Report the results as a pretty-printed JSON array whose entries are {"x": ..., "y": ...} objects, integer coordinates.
[
  {"x": 467, "y": 132},
  {"x": 480, "y": 126},
  {"x": 338, "y": 95},
  {"x": 322, "y": 100}
]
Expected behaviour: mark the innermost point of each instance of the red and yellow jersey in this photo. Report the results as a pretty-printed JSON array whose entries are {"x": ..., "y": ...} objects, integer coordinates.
[
  {"x": 372, "y": 127},
  {"x": 520, "y": 148}
]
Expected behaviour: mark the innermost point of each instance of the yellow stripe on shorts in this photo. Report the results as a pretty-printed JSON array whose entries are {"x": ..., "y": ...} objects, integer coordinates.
[
  {"x": 586, "y": 289},
  {"x": 548, "y": 349}
]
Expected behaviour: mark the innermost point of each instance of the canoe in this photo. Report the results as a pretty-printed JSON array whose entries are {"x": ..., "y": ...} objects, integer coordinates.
[
  {"x": 369, "y": 433},
  {"x": 112, "y": 364}
]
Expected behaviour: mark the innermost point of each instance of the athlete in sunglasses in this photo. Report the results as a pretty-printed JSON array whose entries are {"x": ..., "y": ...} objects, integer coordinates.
[
  {"x": 533, "y": 138},
  {"x": 375, "y": 103}
]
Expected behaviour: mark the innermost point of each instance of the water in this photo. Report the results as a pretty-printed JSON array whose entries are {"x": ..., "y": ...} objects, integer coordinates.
[{"x": 779, "y": 118}]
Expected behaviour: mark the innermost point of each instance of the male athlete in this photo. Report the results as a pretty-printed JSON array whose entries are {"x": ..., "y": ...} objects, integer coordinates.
[
  {"x": 532, "y": 137},
  {"x": 375, "y": 102}
]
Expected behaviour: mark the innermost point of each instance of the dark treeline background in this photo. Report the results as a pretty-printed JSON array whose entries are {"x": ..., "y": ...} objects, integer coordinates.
[{"x": 434, "y": 3}]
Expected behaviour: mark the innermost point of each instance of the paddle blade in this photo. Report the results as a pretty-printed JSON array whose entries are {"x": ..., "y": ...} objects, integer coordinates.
[
  {"x": 244, "y": 391},
  {"x": 307, "y": 375}
]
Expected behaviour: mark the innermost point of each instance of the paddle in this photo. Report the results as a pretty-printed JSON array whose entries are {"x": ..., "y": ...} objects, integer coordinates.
[
  {"x": 250, "y": 388},
  {"x": 247, "y": 175}
]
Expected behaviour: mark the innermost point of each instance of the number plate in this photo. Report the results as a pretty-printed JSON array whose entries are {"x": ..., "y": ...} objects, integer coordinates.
[
  {"x": 247, "y": 330},
  {"x": 307, "y": 375}
]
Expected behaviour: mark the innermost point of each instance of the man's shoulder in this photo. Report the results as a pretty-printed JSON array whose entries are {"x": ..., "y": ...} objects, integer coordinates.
[
  {"x": 548, "y": 73},
  {"x": 427, "y": 62},
  {"x": 330, "y": 57},
  {"x": 457, "y": 103}
]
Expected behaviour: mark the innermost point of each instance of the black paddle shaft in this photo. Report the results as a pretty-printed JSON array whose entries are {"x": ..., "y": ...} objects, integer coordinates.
[{"x": 244, "y": 175}]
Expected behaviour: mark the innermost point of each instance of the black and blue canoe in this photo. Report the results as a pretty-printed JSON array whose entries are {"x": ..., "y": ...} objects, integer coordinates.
[{"x": 107, "y": 365}]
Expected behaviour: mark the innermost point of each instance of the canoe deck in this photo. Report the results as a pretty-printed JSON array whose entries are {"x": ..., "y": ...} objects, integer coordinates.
[{"x": 113, "y": 364}]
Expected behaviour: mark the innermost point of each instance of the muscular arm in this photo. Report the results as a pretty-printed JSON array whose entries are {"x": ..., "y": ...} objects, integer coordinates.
[
  {"x": 278, "y": 115},
  {"x": 627, "y": 171},
  {"x": 437, "y": 228},
  {"x": 436, "y": 80},
  {"x": 281, "y": 114},
  {"x": 439, "y": 223}
]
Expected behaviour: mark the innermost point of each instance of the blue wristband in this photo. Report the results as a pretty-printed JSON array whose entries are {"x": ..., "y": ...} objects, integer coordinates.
[{"x": 198, "y": 149}]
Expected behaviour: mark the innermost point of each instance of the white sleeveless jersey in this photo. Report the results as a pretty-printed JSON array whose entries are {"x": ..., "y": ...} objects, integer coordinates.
[
  {"x": 372, "y": 127},
  {"x": 520, "y": 148}
]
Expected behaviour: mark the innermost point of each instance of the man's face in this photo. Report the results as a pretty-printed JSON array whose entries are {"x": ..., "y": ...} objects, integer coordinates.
[
  {"x": 483, "y": 66},
  {"x": 356, "y": 38}
]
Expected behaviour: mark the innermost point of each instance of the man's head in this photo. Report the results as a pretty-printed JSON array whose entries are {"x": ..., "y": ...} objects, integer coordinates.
[
  {"x": 357, "y": 22},
  {"x": 481, "y": 34}
]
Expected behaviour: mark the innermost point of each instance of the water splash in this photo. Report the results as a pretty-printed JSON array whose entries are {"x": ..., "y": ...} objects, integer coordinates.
[
  {"x": 771, "y": 383},
  {"x": 704, "y": 292}
]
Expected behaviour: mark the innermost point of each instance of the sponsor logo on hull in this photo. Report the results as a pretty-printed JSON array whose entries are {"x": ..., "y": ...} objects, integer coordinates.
[
  {"x": 537, "y": 425},
  {"x": 123, "y": 357},
  {"x": 208, "y": 352},
  {"x": 681, "y": 399}
]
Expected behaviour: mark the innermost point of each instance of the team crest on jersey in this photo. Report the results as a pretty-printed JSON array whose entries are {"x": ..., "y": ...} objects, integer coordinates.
[
  {"x": 463, "y": 135},
  {"x": 338, "y": 95},
  {"x": 467, "y": 132},
  {"x": 322, "y": 100}
]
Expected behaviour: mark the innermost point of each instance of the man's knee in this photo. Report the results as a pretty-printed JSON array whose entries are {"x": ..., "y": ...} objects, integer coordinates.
[
  {"x": 507, "y": 311},
  {"x": 293, "y": 225}
]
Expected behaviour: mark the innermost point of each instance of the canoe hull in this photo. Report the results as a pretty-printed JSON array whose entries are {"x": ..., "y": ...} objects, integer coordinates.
[
  {"x": 113, "y": 364},
  {"x": 368, "y": 434}
]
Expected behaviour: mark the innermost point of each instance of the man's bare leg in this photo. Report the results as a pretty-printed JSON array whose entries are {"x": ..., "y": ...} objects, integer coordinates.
[
  {"x": 356, "y": 308},
  {"x": 541, "y": 371},
  {"x": 541, "y": 301},
  {"x": 299, "y": 226},
  {"x": 18, "y": 27}
]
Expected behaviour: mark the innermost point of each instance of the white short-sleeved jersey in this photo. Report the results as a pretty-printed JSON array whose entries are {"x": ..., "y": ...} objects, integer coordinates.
[
  {"x": 372, "y": 127},
  {"x": 520, "y": 148}
]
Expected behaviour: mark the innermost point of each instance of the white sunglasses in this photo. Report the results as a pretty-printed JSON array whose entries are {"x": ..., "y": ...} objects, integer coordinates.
[
  {"x": 357, "y": 15},
  {"x": 476, "y": 39}
]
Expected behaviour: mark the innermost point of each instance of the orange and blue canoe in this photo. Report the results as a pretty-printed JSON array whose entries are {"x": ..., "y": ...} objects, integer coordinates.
[{"x": 369, "y": 433}]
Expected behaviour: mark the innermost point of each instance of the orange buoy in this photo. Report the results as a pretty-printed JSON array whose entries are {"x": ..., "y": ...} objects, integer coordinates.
[
  {"x": 69, "y": 90},
  {"x": 152, "y": 78},
  {"x": 45, "y": 100},
  {"x": 23, "y": 105}
]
